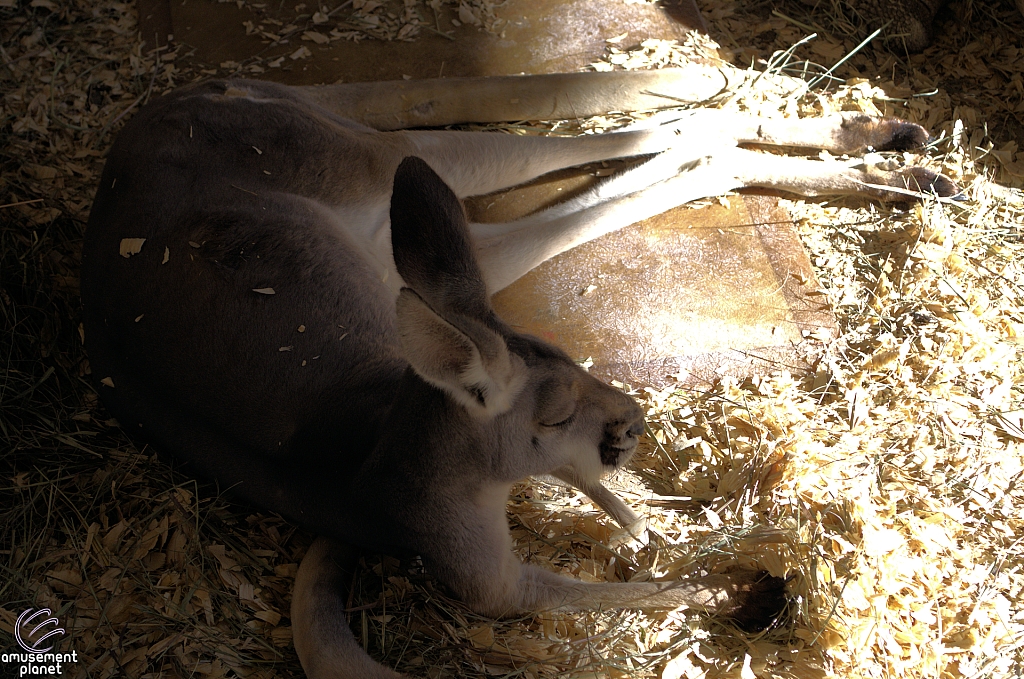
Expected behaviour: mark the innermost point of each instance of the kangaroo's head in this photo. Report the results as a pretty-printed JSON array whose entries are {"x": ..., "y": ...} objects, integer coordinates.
[{"x": 524, "y": 398}]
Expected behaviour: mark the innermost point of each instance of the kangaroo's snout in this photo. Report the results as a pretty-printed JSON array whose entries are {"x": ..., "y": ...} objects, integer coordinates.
[{"x": 622, "y": 433}]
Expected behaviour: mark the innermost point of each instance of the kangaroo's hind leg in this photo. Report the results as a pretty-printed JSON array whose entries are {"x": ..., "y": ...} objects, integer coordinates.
[
  {"x": 476, "y": 163},
  {"x": 507, "y": 251}
]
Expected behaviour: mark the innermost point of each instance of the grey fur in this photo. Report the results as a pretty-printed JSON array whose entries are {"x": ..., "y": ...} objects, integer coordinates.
[{"x": 308, "y": 323}]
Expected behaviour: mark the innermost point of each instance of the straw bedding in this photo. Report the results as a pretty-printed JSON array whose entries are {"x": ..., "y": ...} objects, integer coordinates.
[{"x": 889, "y": 483}]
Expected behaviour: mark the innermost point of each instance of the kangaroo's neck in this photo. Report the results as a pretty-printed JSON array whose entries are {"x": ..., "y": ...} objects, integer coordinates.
[
  {"x": 426, "y": 451},
  {"x": 426, "y": 437}
]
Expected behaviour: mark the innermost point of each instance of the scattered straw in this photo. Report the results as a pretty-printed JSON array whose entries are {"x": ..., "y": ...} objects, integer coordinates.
[{"x": 888, "y": 484}]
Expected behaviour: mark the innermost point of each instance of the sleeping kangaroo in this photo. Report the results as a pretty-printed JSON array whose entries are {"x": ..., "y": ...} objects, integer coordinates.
[{"x": 307, "y": 321}]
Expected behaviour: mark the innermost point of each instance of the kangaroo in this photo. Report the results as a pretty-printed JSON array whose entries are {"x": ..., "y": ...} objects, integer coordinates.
[{"x": 293, "y": 304}]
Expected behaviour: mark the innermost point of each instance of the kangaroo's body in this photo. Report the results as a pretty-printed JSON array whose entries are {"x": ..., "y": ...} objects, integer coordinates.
[{"x": 307, "y": 322}]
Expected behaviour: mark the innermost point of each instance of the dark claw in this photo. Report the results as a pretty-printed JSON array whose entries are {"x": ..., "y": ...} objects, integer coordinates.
[
  {"x": 899, "y": 135},
  {"x": 928, "y": 181},
  {"x": 759, "y": 603}
]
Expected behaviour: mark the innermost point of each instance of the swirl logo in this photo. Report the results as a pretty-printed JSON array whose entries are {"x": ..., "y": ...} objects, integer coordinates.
[{"x": 33, "y": 639}]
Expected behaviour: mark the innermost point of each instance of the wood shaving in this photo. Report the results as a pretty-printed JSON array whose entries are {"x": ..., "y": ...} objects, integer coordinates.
[{"x": 131, "y": 246}]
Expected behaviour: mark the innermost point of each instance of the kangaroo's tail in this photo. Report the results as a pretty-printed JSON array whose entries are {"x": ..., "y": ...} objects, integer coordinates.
[{"x": 325, "y": 643}]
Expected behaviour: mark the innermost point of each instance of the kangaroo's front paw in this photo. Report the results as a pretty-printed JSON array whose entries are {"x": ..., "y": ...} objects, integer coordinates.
[
  {"x": 633, "y": 534},
  {"x": 757, "y": 601}
]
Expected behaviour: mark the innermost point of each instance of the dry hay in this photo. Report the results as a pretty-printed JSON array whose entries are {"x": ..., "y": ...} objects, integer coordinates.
[{"x": 889, "y": 483}]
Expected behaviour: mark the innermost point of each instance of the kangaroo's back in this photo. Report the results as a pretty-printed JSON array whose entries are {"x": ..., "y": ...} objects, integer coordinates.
[{"x": 228, "y": 314}]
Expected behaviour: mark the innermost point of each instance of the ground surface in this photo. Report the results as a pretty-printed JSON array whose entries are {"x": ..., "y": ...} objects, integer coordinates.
[{"x": 888, "y": 484}]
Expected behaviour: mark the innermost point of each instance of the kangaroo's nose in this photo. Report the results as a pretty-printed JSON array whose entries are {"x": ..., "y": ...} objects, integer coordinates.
[
  {"x": 620, "y": 439},
  {"x": 628, "y": 428}
]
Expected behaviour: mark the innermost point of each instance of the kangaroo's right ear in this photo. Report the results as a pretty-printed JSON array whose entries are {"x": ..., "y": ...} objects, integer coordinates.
[{"x": 478, "y": 372}]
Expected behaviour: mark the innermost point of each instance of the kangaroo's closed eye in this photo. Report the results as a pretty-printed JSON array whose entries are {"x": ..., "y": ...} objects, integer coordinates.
[
  {"x": 557, "y": 401},
  {"x": 560, "y": 423}
]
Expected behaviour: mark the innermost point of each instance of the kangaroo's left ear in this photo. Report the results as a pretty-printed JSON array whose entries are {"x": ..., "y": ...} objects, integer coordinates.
[
  {"x": 431, "y": 246},
  {"x": 478, "y": 371}
]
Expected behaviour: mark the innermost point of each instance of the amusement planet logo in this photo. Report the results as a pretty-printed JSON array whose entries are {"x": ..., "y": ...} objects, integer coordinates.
[{"x": 36, "y": 631}]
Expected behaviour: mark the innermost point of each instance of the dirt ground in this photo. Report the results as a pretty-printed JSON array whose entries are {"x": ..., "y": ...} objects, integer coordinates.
[{"x": 889, "y": 484}]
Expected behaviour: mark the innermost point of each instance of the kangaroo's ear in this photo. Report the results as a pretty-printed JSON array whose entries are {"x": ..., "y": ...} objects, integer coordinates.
[
  {"x": 430, "y": 243},
  {"x": 478, "y": 372}
]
